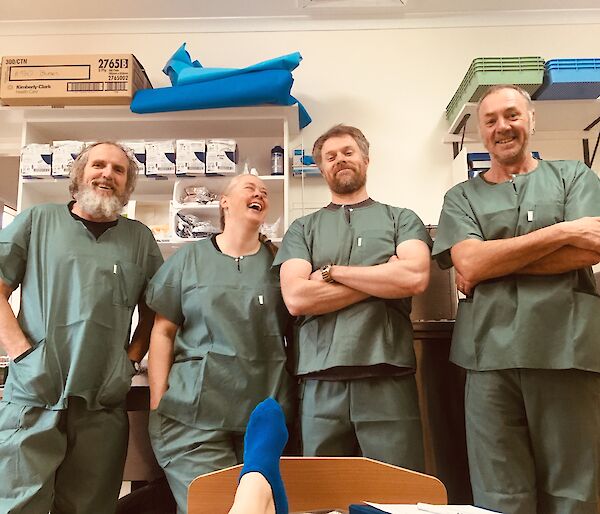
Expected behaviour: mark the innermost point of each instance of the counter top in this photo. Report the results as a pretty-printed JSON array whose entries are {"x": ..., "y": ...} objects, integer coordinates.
[{"x": 433, "y": 329}]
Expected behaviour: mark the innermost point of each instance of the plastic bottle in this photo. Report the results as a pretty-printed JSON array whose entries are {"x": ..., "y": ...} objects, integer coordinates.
[{"x": 277, "y": 160}]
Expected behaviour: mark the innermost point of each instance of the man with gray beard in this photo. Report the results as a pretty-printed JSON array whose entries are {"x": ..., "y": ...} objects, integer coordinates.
[
  {"x": 82, "y": 269},
  {"x": 348, "y": 271}
]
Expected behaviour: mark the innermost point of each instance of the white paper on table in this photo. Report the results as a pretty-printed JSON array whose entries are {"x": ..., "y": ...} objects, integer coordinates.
[{"x": 423, "y": 508}]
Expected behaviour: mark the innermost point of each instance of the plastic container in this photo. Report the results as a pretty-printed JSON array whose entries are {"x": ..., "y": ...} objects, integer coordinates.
[
  {"x": 570, "y": 79},
  {"x": 526, "y": 72},
  {"x": 277, "y": 160}
]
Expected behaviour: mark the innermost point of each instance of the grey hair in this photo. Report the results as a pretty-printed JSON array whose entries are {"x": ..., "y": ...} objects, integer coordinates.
[
  {"x": 82, "y": 159},
  {"x": 500, "y": 87}
]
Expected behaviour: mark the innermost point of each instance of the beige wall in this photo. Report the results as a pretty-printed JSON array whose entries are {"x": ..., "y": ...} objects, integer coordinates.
[
  {"x": 393, "y": 84},
  {"x": 9, "y": 180}
]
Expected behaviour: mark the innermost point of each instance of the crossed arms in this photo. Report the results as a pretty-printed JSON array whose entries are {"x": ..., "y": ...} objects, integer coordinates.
[
  {"x": 405, "y": 274},
  {"x": 559, "y": 248}
]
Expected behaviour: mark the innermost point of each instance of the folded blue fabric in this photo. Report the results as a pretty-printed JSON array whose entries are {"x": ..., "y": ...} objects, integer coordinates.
[
  {"x": 255, "y": 88},
  {"x": 196, "y": 87},
  {"x": 181, "y": 70}
]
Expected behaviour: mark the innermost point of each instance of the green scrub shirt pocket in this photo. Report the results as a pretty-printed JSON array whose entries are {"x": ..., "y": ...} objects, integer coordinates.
[
  {"x": 128, "y": 284},
  {"x": 546, "y": 214},
  {"x": 373, "y": 247},
  {"x": 181, "y": 399},
  {"x": 500, "y": 224},
  {"x": 31, "y": 378}
]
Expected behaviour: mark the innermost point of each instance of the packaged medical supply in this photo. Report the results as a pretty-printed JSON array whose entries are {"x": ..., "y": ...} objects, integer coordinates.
[
  {"x": 36, "y": 160},
  {"x": 160, "y": 158},
  {"x": 221, "y": 156},
  {"x": 64, "y": 154},
  {"x": 137, "y": 152},
  {"x": 190, "y": 159}
]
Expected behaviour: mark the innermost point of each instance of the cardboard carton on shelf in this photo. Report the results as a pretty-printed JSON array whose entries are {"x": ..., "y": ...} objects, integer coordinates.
[{"x": 59, "y": 80}]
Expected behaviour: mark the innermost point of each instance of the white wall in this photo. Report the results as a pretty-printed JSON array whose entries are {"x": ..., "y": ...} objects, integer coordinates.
[
  {"x": 9, "y": 180},
  {"x": 393, "y": 84}
]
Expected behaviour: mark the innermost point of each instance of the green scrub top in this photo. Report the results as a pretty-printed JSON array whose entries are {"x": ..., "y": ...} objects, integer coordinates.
[
  {"x": 77, "y": 298},
  {"x": 229, "y": 351},
  {"x": 371, "y": 332},
  {"x": 524, "y": 321}
]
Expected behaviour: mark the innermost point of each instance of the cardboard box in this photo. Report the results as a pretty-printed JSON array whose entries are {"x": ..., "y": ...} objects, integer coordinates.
[{"x": 59, "y": 80}]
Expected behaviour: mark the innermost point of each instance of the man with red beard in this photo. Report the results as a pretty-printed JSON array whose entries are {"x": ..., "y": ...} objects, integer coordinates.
[
  {"x": 348, "y": 271},
  {"x": 82, "y": 269}
]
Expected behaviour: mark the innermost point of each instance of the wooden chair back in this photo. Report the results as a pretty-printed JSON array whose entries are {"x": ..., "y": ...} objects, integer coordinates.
[{"x": 323, "y": 483}]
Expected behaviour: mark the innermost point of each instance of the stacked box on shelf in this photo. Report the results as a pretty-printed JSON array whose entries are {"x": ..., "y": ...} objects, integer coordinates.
[
  {"x": 526, "y": 72},
  {"x": 570, "y": 79},
  {"x": 303, "y": 164},
  {"x": 64, "y": 154},
  {"x": 36, "y": 160},
  {"x": 137, "y": 150},
  {"x": 190, "y": 157}
]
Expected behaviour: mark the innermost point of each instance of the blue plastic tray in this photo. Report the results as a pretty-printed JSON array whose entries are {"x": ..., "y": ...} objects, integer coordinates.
[{"x": 570, "y": 79}]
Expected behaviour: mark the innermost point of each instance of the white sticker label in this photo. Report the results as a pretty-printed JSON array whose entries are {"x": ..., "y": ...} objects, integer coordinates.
[
  {"x": 360, "y": 241},
  {"x": 529, "y": 215},
  {"x": 115, "y": 269},
  {"x": 261, "y": 299}
]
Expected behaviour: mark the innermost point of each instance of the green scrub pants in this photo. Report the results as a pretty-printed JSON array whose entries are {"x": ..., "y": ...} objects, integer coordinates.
[
  {"x": 375, "y": 417},
  {"x": 185, "y": 452},
  {"x": 533, "y": 438},
  {"x": 63, "y": 462}
]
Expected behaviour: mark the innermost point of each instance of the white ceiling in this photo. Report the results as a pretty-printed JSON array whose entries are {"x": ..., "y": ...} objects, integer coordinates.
[{"x": 19, "y": 10}]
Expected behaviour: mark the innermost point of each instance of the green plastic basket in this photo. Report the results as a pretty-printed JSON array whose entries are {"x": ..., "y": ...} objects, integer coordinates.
[{"x": 526, "y": 72}]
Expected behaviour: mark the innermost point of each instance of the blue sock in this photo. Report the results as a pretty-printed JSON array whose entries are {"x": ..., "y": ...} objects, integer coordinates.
[{"x": 266, "y": 435}]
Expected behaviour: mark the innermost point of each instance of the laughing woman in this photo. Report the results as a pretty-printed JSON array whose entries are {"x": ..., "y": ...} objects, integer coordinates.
[{"x": 217, "y": 346}]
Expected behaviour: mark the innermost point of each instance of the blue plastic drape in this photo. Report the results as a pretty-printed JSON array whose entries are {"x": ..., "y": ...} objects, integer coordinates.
[{"x": 196, "y": 87}]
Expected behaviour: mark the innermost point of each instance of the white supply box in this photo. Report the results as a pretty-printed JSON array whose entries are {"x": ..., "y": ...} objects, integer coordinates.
[
  {"x": 191, "y": 157},
  {"x": 221, "y": 156},
  {"x": 160, "y": 158},
  {"x": 36, "y": 160},
  {"x": 138, "y": 152},
  {"x": 63, "y": 155}
]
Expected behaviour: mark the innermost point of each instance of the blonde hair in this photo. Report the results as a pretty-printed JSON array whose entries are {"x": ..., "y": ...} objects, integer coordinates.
[
  {"x": 261, "y": 237},
  {"x": 225, "y": 192}
]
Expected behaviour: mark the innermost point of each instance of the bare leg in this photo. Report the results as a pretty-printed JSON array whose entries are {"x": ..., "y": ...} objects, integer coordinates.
[{"x": 253, "y": 496}]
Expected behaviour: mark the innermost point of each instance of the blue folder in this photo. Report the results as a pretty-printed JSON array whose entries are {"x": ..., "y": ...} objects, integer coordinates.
[{"x": 364, "y": 509}]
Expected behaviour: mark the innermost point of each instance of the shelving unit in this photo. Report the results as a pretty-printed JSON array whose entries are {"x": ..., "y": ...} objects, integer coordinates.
[
  {"x": 256, "y": 130},
  {"x": 555, "y": 120}
]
